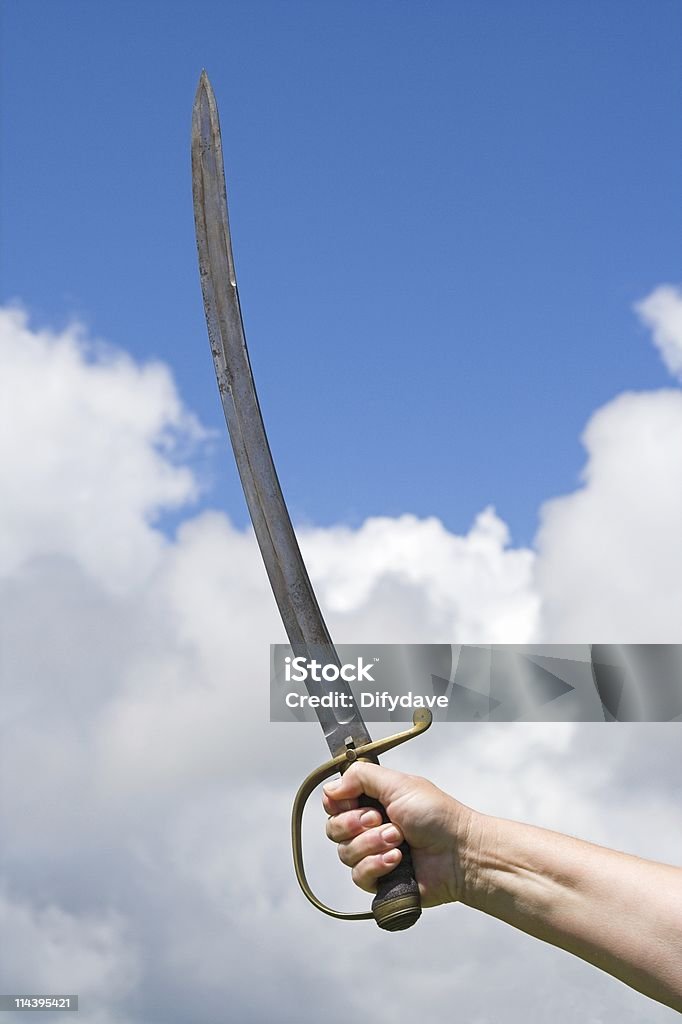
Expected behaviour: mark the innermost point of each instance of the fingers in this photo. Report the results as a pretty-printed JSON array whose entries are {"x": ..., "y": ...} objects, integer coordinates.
[
  {"x": 367, "y": 873},
  {"x": 366, "y": 844},
  {"x": 348, "y": 824},
  {"x": 337, "y": 806},
  {"x": 376, "y": 842},
  {"x": 364, "y": 777}
]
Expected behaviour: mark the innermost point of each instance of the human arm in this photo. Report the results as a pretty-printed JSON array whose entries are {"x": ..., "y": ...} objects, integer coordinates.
[{"x": 618, "y": 912}]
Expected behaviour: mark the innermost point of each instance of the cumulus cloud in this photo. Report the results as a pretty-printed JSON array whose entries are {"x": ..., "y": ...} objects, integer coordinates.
[
  {"x": 144, "y": 797},
  {"x": 610, "y": 562},
  {"x": 86, "y": 452},
  {"x": 469, "y": 589},
  {"x": 661, "y": 311},
  {"x": 609, "y": 565}
]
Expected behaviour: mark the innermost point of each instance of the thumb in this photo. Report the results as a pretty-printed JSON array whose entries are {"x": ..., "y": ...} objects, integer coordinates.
[{"x": 365, "y": 777}]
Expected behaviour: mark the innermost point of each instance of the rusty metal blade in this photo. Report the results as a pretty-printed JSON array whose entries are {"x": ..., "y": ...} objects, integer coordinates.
[{"x": 301, "y": 615}]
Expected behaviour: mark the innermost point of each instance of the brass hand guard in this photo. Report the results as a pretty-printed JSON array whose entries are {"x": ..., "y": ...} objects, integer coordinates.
[{"x": 398, "y": 912}]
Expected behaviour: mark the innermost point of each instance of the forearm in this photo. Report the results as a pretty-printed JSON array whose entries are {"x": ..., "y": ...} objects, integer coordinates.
[{"x": 620, "y": 913}]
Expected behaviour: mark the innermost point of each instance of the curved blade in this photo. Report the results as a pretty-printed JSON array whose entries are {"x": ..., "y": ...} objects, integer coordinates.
[{"x": 303, "y": 621}]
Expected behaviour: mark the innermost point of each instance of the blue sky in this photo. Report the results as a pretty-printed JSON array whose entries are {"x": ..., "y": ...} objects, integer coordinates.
[{"x": 442, "y": 215}]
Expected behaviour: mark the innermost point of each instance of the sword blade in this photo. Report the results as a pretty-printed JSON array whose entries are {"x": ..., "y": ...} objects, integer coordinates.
[{"x": 291, "y": 586}]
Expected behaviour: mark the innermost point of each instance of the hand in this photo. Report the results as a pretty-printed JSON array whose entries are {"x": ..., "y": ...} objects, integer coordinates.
[{"x": 434, "y": 824}]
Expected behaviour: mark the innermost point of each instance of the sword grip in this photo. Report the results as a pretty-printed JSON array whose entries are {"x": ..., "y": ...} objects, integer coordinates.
[{"x": 397, "y": 904}]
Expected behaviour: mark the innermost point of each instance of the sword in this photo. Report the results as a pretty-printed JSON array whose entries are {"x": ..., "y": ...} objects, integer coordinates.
[{"x": 396, "y": 905}]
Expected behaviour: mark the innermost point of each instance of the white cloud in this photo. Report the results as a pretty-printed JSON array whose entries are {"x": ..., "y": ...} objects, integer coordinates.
[
  {"x": 144, "y": 797},
  {"x": 468, "y": 589},
  {"x": 609, "y": 565},
  {"x": 661, "y": 311},
  {"x": 87, "y": 954},
  {"x": 86, "y": 451}
]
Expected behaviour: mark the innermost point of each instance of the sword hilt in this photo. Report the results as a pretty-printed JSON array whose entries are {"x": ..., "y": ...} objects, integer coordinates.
[{"x": 396, "y": 905}]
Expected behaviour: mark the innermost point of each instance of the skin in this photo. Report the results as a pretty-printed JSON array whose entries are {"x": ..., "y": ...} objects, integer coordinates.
[{"x": 618, "y": 912}]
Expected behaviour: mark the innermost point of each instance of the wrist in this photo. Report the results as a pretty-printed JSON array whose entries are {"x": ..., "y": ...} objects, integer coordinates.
[
  {"x": 512, "y": 870},
  {"x": 468, "y": 833},
  {"x": 475, "y": 842}
]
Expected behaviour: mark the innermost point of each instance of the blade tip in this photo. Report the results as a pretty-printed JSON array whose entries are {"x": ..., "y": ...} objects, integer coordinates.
[
  {"x": 204, "y": 82},
  {"x": 203, "y": 98}
]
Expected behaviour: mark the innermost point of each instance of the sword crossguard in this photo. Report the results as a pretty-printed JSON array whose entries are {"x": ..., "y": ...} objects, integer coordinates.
[{"x": 396, "y": 905}]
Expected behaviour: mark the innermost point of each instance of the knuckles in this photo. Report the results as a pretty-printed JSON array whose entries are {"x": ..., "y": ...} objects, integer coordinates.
[
  {"x": 363, "y": 877},
  {"x": 344, "y": 854},
  {"x": 345, "y": 826}
]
